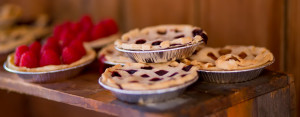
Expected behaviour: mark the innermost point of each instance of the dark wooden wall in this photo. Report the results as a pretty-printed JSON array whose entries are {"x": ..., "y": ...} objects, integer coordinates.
[{"x": 274, "y": 24}]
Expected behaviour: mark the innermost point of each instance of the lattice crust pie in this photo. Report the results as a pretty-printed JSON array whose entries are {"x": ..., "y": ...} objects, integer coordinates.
[
  {"x": 8, "y": 15},
  {"x": 13, "y": 34},
  {"x": 138, "y": 76},
  {"x": 90, "y": 55},
  {"x": 161, "y": 37},
  {"x": 110, "y": 54},
  {"x": 230, "y": 58}
]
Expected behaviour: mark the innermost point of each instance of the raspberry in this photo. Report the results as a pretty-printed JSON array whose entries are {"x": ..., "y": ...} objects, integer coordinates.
[
  {"x": 111, "y": 26},
  {"x": 83, "y": 36},
  {"x": 29, "y": 60},
  {"x": 35, "y": 47},
  {"x": 19, "y": 51},
  {"x": 78, "y": 46},
  {"x": 76, "y": 27},
  {"x": 70, "y": 55},
  {"x": 51, "y": 44},
  {"x": 99, "y": 31},
  {"x": 57, "y": 30},
  {"x": 49, "y": 57},
  {"x": 87, "y": 23},
  {"x": 66, "y": 37}
]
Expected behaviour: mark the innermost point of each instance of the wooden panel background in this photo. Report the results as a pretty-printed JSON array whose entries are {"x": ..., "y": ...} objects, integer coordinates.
[{"x": 270, "y": 23}]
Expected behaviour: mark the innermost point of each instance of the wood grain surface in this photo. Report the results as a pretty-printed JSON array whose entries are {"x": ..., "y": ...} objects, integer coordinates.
[
  {"x": 84, "y": 91},
  {"x": 293, "y": 42}
]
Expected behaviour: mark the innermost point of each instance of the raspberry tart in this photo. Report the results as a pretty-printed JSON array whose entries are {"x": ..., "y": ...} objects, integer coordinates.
[
  {"x": 94, "y": 35},
  {"x": 138, "y": 76},
  {"x": 161, "y": 43},
  {"x": 42, "y": 63}
]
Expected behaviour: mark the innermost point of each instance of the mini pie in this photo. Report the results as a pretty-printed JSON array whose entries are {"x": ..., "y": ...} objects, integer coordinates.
[
  {"x": 90, "y": 55},
  {"x": 138, "y": 76},
  {"x": 161, "y": 37},
  {"x": 110, "y": 54},
  {"x": 230, "y": 58},
  {"x": 13, "y": 34},
  {"x": 8, "y": 15}
]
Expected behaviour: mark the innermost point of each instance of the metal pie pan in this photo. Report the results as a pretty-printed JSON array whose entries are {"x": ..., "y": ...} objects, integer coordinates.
[
  {"x": 234, "y": 76},
  {"x": 50, "y": 76},
  {"x": 159, "y": 56},
  {"x": 112, "y": 63},
  {"x": 148, "y": 96}
]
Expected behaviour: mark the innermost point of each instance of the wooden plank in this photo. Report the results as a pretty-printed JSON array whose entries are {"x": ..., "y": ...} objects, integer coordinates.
[
  {"x": 141, "y": 13},
  {"x": 293, "y": 42},
  {"x": 246, "y": 22},
  {"x": 84, "y": 91},
  {"x": 273, "y": 104}
]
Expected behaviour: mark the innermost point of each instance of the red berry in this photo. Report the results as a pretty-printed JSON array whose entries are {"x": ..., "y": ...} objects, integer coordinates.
[
  {"x": 83, "y": 36},
  {"x": 19, "y": 51},
  {"x": 53, "y": 39},
  {"x": 78, "y": 46},
  {"x": 66, "y": 37},
  {"x": 29, "y": 60},
  {"x": 57, "y": 30},
  {"x": 111, "y": 26},
  {"x": 49, "y": 57},
  {"x": 35, "y": 47},
  {"x": 52, "y": 45},
  {"x": 99, "y": 31},
  {"x": 86, "y": 22},
  {"x": 66, "y": 25},
  {"x": 70, "y": 55},
  {"x": 76, "y": 27}
]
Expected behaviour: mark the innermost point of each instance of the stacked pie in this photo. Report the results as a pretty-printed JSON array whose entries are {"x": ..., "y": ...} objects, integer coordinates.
[{"x": 169, "y": 40}]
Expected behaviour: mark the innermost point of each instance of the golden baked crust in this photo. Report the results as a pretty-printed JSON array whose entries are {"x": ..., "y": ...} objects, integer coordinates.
[
  {"x": 161, "y": 37},
  {"x": 90, "y": 56},
  {"x": 230, "y": 58},
  {"x": 19, "y": 35},
  {"x": 138, "y": 76},
  {"x": 13, "y": 35},
  {"x": 112, "y": 55},
  {"x": 8, "y": 15}
]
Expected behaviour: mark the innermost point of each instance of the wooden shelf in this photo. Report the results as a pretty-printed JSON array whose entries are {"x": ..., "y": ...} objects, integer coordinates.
[{"x": 198, "y": 100}]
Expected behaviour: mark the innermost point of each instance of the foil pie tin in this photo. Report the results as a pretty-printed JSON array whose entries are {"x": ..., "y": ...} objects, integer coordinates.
[
  {"x": 50, "y": 76},
  {"x": 112, "y": 63},
  {"x": 234, "y": 76},
  {"x": 148, "y": 96},
  {"x": 159, "y": 56}
]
